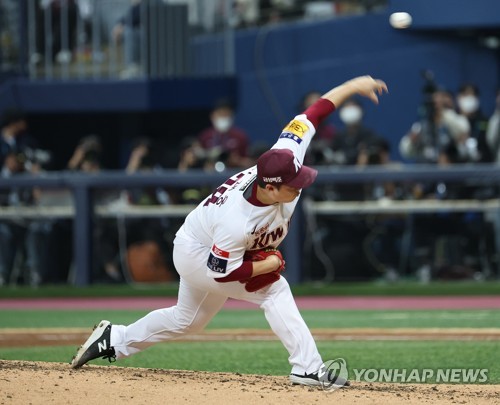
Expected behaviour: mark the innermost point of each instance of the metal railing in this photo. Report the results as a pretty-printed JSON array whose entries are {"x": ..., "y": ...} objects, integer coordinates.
[
  {"x": 82, "y": 185},
  {"x": 106, "y": 39},
  {"x": 68, "y": 39}
]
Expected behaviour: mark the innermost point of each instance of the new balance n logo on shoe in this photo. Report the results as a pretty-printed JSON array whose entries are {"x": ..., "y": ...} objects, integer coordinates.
[
  {"x": 97, "y": 345},
  {"x": 102, "y": 346}
]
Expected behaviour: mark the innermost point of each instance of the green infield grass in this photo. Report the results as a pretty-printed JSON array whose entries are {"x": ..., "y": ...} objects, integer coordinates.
[
  {"x": 269, "y": 357},
  {"x": 473, "y": 318}
]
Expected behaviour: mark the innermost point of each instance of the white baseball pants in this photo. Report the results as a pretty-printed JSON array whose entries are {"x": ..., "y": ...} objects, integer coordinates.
[{"x": 201, "y": 297}]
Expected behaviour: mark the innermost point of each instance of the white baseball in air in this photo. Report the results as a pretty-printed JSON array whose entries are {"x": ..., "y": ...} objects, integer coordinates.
[{"x": 400, "y": 20}]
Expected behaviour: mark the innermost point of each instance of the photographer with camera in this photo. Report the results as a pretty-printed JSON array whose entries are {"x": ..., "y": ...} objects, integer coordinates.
[
  {"x": 440, "y": 128},
  {"x": 22, "y": 242},
  {"x": 13, "y": 136}
]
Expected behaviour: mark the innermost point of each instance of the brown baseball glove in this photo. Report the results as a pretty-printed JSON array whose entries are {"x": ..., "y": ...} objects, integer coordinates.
[{"x": 262, "y": 280}]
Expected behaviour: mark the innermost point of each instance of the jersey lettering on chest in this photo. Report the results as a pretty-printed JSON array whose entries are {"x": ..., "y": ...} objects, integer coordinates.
[{"x": 267, "y": 238}]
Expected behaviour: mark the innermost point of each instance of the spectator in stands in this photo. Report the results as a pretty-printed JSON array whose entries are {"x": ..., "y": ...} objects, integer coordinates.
[
  {"x": 137, "y": 239},
  {"x": 378, "y": 152},
  {"x": 87, "y": 153},
  {"x": 434, "y": 133},
  {"x": 86, "y": 158},
  {"x": 11, "y": 233},
  {"x": 23, "y": 242},
  {"x": 354, "y": 137},
  {"x": 129, "y": 30},
  {"x": 9, "y": 45},
  {"x": 274, "y": 11},
  {"x": 469, "y": 105},
  {"x": 193, "y": 156},
  {"x": 246, "y": 13},
  {"x": 148, "y": 238},
  {"x": 22, "y": 238},
  {"x": 351, "y": 145},
  {"x": 13, "y": 134},
  {"x": 225, "y": 145},
  {"x": 493, "y": 132},
  {"x": 142, "y": 160}
]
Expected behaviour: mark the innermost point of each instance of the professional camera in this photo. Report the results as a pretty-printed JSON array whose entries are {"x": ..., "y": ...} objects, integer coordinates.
[
  {"x": 27, "y": 158},
  {"x": 40, "y": 156},
  {"x": 429, "y": 88}
]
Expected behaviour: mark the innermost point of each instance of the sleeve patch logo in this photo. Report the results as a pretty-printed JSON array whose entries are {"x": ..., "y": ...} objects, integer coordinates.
[
  {"x": 216, "y": 264},
  {"x": 297, "y": 128},
  {"x": 293, "y": 137},
  {"x": 219, "y": 252}
]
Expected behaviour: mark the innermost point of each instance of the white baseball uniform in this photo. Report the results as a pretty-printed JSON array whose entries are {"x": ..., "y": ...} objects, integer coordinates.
[{"x": 210, "y": 245}]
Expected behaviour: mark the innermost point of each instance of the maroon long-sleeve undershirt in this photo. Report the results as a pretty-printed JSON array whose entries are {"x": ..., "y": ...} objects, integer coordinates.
[
  {"x": 241, "y": 273},
  {"x": 317, "y": 112}
]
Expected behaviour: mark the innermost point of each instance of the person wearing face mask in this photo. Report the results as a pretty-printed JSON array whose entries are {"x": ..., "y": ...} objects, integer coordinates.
[
  {"x": 355, "y": 137},
  {"x": 349, "y": 146},
  {"x": 224, "y": 144},
  {"x": 468, "y": 103}
]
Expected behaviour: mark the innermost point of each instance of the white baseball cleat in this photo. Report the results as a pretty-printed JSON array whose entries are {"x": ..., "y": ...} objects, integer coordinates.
[
  {"x": 313, "y": 380},
  {"x": 97, "y": 345}
]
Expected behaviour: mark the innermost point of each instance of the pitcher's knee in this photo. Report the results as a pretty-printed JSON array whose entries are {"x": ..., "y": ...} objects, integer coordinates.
[{"x": 189, "y": 324}]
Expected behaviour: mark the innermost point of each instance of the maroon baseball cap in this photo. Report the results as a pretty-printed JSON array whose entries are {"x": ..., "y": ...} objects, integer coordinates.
[{"x": 279, "y": 166}]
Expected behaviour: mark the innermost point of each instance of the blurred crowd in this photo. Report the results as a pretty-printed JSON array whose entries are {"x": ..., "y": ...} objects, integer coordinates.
[
  {"x": 27, "y": 246},
  {"x": 60, "y": 32},
  {"x": 451, "y": 129}
]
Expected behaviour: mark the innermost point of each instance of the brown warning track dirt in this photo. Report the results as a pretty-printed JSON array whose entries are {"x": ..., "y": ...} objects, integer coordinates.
[
  {"x": 75, "y": 336},
  {"x": 55, "y": 383}
]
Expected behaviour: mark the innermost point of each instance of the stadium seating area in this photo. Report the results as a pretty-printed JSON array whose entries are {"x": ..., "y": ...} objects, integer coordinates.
[{"x": 107, "y": 109}]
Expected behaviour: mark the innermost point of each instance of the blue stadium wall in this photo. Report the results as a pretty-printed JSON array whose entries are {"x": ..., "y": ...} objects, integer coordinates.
[{"x": 277, "y": 65}]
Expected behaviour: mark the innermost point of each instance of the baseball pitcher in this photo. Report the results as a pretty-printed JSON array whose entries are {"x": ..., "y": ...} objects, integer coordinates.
[{"x": 227, "y": 247}]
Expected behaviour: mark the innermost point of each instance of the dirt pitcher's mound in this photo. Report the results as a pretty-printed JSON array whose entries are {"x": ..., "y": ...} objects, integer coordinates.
[{"x": 55, "y": 383}]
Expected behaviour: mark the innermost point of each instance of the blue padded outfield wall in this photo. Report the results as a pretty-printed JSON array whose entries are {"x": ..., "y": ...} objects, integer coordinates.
[{"x": 277, "y": 64}]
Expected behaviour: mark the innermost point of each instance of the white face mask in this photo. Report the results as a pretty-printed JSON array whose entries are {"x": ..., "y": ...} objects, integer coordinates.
[
  {"x": 350, "y": 114},
  {"x": 468, "y": 104},
  {"x": 222, "y": 124}
]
